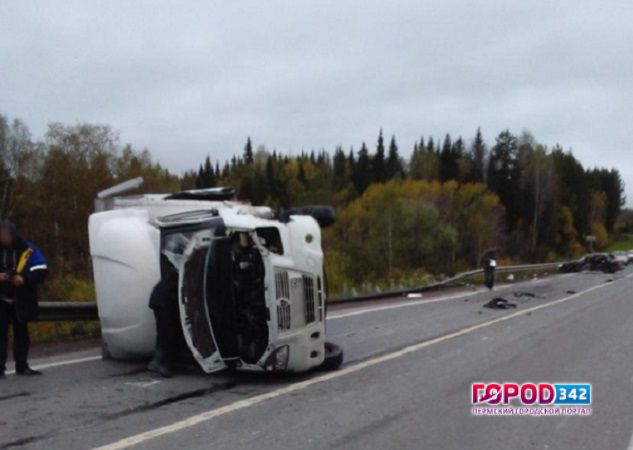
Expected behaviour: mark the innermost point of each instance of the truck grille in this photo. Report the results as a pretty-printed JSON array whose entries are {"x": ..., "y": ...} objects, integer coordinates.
[
  {"x": 320, "y": 297},
  {"x": 283, "y": 315},
  {"x": 282, "y": 286},
  {"x": 282, "y": 291},
  {"x": 308, "y": 298}
]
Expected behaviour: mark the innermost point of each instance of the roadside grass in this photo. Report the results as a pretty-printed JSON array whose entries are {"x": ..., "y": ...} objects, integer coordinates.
[
  {"x": 66, "y": 288},
  {"x": 63, "y": 331},
  {"x": 623, "y": 243}
]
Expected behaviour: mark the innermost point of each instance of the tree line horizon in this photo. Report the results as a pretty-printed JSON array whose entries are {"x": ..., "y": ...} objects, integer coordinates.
[{"x": 400, "y": 219}]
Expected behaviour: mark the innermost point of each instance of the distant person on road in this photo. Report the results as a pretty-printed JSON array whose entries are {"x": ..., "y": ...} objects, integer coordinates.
[
  {"x": 489, "y": 264},
  {"x": 22, "y": 269}
]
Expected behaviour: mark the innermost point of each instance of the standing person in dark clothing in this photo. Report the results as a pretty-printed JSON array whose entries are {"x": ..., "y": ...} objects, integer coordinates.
[
  {"x": 22, "y": 269},
  {"x": 164, "y": 303},
  {"x": 489, "y": 263}
]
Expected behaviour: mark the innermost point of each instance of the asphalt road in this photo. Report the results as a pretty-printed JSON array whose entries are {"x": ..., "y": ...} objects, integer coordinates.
[{"x": 405, "y": 383}]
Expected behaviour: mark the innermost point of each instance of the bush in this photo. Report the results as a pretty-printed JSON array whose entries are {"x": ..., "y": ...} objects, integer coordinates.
[{"x": 69, "y": 288}]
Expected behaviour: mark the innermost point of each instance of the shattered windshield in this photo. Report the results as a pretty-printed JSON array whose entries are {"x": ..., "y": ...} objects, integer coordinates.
[{"x": 174, "y": 246}]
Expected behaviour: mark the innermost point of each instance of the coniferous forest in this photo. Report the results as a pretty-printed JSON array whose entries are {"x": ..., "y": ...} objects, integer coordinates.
[{"x": 404, "y": 214}]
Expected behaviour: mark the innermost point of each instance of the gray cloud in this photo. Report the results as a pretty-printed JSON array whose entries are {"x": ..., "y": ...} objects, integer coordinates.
[{"x": 187, "y": 79}]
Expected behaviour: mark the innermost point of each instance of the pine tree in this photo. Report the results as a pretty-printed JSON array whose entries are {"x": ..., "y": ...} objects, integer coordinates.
[
  {"x": 448, "y": 143},
  {"x": 449, "y": 169},
  {"x": 339, "y": 169},
  {"x": 479, "y": 157},
  {"x": 361, "y": 174},
  {"x": 351, "y": 164},
  {"x": 394, "y": 166},
  {"x": 209, "y": 175},
  {"x": 458, "y": 148},
  {"x": 378, "y": 162},
  {"x": 503, "y": 174},
  {"x": 248, "y": 152},
  {"x": 206, "y": 175}
]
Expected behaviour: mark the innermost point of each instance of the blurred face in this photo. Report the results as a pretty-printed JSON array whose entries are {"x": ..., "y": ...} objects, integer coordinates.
[{"x": 5, "y": 237}]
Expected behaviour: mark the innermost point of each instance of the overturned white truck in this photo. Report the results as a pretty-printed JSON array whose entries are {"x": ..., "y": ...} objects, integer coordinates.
[{"x": 251, "y": 282}]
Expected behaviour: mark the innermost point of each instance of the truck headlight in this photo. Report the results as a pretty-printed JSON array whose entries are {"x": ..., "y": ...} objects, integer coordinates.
[{"x": 278, "y": 360}]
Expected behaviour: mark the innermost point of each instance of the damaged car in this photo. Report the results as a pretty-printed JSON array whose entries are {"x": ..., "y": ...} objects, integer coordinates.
[
  {"x": 621, "y": 257},
  {"x": 603, "y": 262},
  {"x": 252, "y": 291},
  {"x": 573, "y": 266},
  {"x": 597, "y": 262}
]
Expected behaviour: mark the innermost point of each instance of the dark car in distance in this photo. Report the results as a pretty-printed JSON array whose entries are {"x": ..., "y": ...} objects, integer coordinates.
[
  {"x": 573, "y": 266},
  {"x": 601, "y": 262}
]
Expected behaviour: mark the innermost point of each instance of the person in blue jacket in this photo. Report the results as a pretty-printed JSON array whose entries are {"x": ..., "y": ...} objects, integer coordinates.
[{"x": 22, "y": 270}]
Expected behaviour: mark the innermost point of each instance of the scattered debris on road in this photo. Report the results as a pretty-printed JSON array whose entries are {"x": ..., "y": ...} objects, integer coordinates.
[
  {"x": 500, "y": 303},
  {"x": 520, "y": 294},
  {"x": 524, "y": 294},
  {"x": 414, "y": 295}
]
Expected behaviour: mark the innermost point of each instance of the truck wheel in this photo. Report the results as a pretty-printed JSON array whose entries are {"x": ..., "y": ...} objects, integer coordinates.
[{"x": 333, "y": 357}]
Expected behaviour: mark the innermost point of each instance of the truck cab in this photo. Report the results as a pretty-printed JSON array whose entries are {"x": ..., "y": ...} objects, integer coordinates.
[{"x": 251, "y": 283}]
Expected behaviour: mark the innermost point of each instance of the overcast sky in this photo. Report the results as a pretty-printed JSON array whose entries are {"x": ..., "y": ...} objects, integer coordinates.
[{"x": 187, "y": 79}]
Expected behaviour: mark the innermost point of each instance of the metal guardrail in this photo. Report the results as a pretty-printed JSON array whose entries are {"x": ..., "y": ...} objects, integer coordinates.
[
  {"x": 56, "y": 311},
  {"x": 67, "y": 311},
  {"x": 460, "y": 277}
]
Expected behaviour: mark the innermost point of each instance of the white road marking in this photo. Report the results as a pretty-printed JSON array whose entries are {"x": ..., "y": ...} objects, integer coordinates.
[
  {"x": 142, "y": 384},
  {"x": 61, "y": 363},
  {"x": 252, "y": 401}
]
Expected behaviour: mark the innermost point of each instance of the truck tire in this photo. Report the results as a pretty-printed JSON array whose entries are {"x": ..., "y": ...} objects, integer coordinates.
[{"x": 333, "y": 357}]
